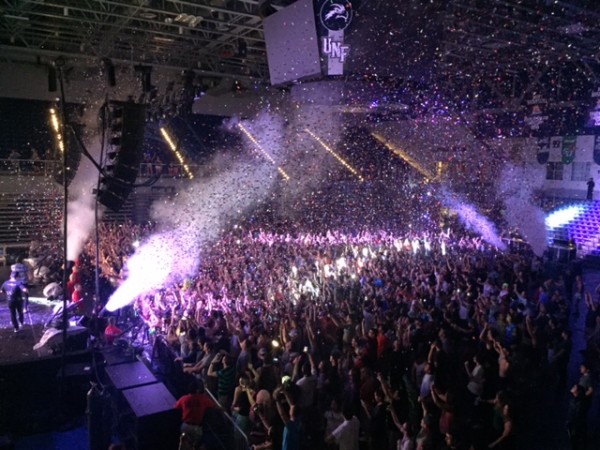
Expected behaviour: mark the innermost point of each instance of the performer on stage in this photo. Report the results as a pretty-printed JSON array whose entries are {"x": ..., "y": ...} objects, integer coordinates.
[{"x": 15, "y": 291}]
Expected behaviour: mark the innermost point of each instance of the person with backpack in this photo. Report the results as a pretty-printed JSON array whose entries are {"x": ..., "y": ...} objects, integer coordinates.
[{"x": 16, "y": 292}]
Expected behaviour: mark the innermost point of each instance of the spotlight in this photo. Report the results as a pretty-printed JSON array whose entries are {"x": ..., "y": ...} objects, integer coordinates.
[
  {"x": 405, "y": 157},
  {"x": 259, "y": 147},
  {"x": 195, "y": 21},
  {"x": 335, "y": 155},
  {"x": 56, "y": 126},
  {"x": 184, "y": 18},
  {"x": 167, "y": 137}
]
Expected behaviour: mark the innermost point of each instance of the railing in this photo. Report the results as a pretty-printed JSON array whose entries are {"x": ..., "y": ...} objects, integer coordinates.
[
  {"x": 167, "y": 170},
  {"x": 48, "y": 167},
  {"x": 218, "y": 427},
  {"x": 28, "y": 167},
  {"x": 222, "y": 437}
]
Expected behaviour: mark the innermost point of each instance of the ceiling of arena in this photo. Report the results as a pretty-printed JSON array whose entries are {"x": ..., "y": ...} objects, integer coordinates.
[
  {"x": 207, "y": 36},
  {"x": 517, "y": 41}
]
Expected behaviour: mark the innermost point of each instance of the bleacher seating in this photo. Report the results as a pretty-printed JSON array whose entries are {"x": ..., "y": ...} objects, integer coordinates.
[{"x": 581, "y": 224}]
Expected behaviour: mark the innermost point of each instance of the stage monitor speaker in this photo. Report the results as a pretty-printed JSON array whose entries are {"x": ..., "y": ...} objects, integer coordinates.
[
  {"x": 128, "y": 375},
  {"x": 117, "y": 354},
  {"x": 156, "y": 423}
]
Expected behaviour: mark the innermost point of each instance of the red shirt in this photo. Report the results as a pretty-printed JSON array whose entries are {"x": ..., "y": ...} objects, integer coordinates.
[
  {"x": 77, "y": 296},
  {"x": 382, "y": 344},
  {"x": 193, "y": 407},
  {"x": 111, "y": 332}
]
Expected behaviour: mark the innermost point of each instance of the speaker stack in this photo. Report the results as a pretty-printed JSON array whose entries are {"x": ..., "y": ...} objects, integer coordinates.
[
  {"x": 146, "y": 418},
  {"x": 125, "y": 122}
]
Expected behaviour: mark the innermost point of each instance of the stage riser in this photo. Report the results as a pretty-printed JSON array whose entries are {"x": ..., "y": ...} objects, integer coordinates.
[{"x": 35, "y": 398}]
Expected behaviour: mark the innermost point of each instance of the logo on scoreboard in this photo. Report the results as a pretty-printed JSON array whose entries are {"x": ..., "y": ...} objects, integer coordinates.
[{"x": 336, "y": 15}]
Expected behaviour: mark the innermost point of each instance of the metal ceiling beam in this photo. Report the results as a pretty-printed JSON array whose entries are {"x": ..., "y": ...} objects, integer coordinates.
[{"x": 16, "y": 55}]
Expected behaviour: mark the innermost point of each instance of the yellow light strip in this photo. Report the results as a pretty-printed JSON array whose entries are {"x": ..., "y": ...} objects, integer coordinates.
[
  {"x": 406, "y": 157},
  {"x": 56, "y": 126},
  {"x": 285, "y": 176},
  {"x": 338, "y": 157},
  {"x": 173, "y": 147}
]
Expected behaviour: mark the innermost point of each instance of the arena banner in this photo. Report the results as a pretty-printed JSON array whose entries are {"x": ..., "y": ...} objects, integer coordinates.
[
  {"x": 597, "y": 149},
  {"x": 569, "y": 144},
  {"x": 536, "y": 117},
  {"x": 543, "y": 150},
  {"x": 334, "y": 16},
  {"x": 555, "y": 148},
  {"x": 594, "y": 114}
]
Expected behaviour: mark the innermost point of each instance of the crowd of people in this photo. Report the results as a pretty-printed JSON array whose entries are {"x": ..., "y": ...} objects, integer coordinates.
[{"x": 371, "y": 340}]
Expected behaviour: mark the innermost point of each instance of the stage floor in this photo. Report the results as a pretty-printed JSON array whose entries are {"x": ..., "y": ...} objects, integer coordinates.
[{"x": 18, "y": 347}]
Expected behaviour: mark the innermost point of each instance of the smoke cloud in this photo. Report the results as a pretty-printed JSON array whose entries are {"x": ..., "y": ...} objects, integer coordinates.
[
  {"x": 517, "y": 188},
  {"x": 472, "y": 219},
  {"x": 81, "y": 203},
  {"x": 198, "y": 215}
]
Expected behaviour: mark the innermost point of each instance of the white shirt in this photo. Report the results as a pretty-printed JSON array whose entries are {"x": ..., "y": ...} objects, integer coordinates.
[
  {"x": 333, "y": 420},
  {"x": 346, "y": 435},
  {"x": 428, "y": 380},
  {"x": 405, "y": 443},
  {"x": 308, "y": 386}
]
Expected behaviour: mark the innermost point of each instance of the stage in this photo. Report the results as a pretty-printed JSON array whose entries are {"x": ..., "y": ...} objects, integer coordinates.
[
  {"x": 37, "y": 397},
  {"x": 18, "y": 347}
]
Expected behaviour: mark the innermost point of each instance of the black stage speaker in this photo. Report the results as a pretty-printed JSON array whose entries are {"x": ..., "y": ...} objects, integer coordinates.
[
  {"x": 155, "y": 423},
  {"x": 129, "y": 375},
  {"x": 126, "y": 123},
  {"x": 117, "y": 354}
]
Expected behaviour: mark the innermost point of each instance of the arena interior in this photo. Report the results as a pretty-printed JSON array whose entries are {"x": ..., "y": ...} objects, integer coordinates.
[{"x": 310, "y": 224}]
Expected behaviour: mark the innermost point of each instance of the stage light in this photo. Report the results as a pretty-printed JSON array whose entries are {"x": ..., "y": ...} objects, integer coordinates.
[
  {"x": 405, "y": 157},
  {"x": 338, "y": 157},
  {"x": 274, "y": 343},
  {"x": 173, "y": 147},
  {"x": 195, "y": 21},
  {"x": 283, "y": 173},
  {"x": 56, "y": 126},
  {"x": 181, "y": 18}
]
